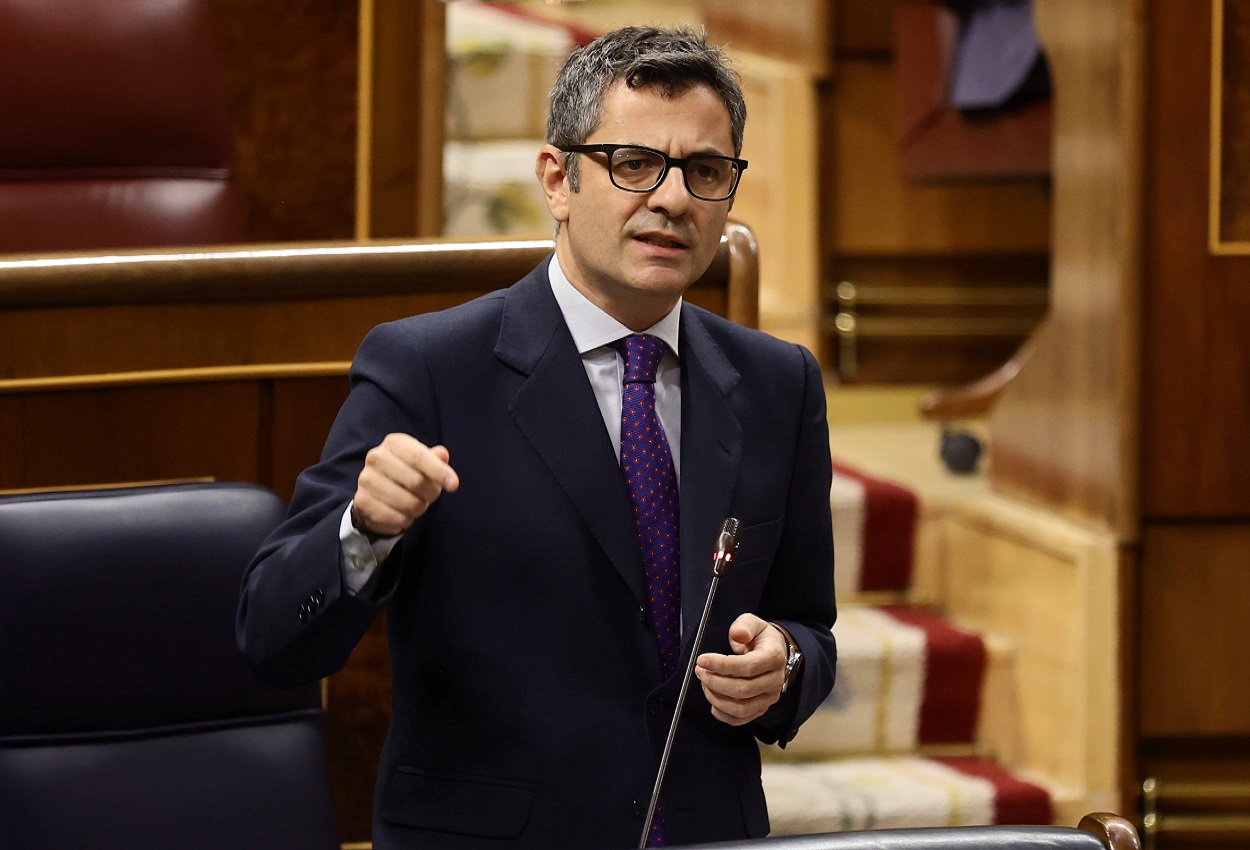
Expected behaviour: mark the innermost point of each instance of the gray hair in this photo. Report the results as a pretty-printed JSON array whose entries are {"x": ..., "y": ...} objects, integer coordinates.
[{"x": 671, "y": 61}]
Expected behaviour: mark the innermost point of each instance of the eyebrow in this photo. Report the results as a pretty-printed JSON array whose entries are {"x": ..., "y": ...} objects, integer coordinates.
[{"x": 711, "y": 152}]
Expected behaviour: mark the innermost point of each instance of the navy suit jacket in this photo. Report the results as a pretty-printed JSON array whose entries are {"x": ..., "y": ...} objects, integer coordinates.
[{"x": 527, "y": 698}]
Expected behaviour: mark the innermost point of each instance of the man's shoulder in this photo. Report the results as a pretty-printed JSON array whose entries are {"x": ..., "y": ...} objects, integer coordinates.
[
  {"x": 450, "y": 324},
  {"x": 738, "y": 340},
  {"x": 462, "y": 326}
]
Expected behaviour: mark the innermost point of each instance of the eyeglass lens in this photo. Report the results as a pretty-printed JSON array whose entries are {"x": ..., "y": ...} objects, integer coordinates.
[{"x": 709, "y": 177}]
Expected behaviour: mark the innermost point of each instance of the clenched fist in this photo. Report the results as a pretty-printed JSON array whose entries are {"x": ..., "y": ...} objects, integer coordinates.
[{"x": 401, "y": 479}]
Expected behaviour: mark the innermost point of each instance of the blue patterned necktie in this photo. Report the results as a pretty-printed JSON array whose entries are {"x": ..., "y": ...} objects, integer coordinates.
[{"x": 647, "y": 463}]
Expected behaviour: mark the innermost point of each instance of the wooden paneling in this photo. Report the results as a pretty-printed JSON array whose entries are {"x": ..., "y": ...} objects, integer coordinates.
[
  {"x": 125, "y": 434},
  {"x": 300, "y": 413},
  {"x": 358, "y": 713},
  {"x": 265, "y": 429},
  {"x": 880, "y": 230},
  {"x": 1049, "y": 586},
  {"x": 304, "y": 78},
  {"x": 778, "y": 197},
  {"x": 122, "y": 338},
  {"x": 1197, "y": 407},
  {"x": 1200, "y": 796},
  {"x": 863, "y": 26},
  {"x": 934, "y": 319},
  {"x": 1232, "y": 78},
  {"x": 798, "y": 31},
  {"x": 1194, "y": 607},
  {"x": 1065, "y": 431},
  {"x": 874, "y": 211},
  {"x": 1192, "y": 694},
  {"x": 404, "y": 85},
  {"x": 934, "y": 351},
  {"x": 291, "y": 78}
]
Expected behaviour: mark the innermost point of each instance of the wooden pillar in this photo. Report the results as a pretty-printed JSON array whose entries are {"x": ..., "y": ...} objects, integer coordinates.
[
  {"x": 1131, "y": 413},
  {"x": 403, "y": 83},
  {"x": 1065, "y": 434}
]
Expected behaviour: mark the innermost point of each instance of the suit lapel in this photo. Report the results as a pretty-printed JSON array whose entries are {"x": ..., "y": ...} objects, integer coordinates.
[
  {"x": 711, "y": 451},
  {"x": 556, "y": 410}
]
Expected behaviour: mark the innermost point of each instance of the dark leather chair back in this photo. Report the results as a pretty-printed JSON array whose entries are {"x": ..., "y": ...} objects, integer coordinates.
[
  {"x": 128, "y": 717},
  {"x": 113, "y": 127}
]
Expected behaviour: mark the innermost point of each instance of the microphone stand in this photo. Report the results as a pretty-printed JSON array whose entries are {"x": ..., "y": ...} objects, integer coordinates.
[{"x": 726, "y": 545}]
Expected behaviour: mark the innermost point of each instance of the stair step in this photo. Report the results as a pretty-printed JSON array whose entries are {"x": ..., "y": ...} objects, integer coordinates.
[
  {"x": 874, "y": 531},
  {"x": 901, "y": 791},
  {"x": 925, "y": 718},
  {"x": 906, "y": 679}
]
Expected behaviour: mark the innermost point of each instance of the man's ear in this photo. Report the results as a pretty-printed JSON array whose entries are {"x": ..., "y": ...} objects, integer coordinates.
[{"x": 554, "y": 181}]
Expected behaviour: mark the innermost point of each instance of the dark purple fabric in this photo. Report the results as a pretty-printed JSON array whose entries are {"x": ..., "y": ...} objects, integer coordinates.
[
  {"x": 651, "y": 480},
  {"x": 996, "y": 52}
]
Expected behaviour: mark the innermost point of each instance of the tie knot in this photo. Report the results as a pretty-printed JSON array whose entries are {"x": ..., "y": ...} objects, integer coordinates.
[{"x": 642, "y": 353}]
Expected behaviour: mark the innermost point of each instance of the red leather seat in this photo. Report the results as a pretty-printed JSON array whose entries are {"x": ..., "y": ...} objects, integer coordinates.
[{"x": 113, "y": 127}]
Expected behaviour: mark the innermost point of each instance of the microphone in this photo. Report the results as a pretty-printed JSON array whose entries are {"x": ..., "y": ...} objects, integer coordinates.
[{"x": 726, "y": 546}]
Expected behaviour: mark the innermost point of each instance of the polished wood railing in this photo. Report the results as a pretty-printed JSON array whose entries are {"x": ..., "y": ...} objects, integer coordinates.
[{"x": 976, "y": 399}]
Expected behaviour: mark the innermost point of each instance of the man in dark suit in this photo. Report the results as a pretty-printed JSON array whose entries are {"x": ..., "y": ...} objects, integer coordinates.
[{"x": 472, "y": 487}]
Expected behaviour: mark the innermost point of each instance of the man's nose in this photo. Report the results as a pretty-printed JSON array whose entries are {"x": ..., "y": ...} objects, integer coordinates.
[{"x": 672, "y": 194}]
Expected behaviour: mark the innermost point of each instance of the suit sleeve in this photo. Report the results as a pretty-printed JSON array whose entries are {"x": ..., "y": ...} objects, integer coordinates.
[
  {"x": 296, "y": 621},
  {"x": 800, "y": 593}
]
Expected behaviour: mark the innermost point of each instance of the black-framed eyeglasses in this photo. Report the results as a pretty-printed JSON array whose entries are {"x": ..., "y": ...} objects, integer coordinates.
[{"x": 634, "y": 168}]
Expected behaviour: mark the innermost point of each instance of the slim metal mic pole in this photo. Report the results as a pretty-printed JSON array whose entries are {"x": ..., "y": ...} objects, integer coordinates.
[{"x": 726, "y": 545}]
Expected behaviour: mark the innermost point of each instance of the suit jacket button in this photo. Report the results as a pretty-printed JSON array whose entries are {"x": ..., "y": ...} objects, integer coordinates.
[
  {"x": 656, "y": 707},
  {"x": 320, "y": 596},
  {"x": 303, "y": 612},
  {"x": 642, "y": 616},
  {"x": 640, "y": 809}
]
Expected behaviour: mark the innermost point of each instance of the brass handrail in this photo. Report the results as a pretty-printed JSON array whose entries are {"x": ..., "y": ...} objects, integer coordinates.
[
  {"x": 1155, "y": 822},
  {"x": 849, "y": 325},
  {"x": 848, "y": 292}
]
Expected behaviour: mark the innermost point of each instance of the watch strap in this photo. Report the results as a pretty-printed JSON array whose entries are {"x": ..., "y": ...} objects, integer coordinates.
[{"x": 794, "y": 657}]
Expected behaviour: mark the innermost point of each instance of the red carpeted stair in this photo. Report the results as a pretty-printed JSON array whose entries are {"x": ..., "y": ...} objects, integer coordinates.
[{"x": 896, "y": 743}]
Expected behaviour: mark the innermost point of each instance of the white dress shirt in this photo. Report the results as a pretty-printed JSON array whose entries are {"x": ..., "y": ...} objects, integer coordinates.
[{"x": 593, "y": 333}]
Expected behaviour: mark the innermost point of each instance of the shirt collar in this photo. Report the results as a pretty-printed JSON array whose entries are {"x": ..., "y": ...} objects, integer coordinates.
[{"x": 591, "y": 327}]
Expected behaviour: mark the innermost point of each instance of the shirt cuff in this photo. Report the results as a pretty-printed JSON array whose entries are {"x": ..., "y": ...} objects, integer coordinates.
[{"x": 359, "y": 558}]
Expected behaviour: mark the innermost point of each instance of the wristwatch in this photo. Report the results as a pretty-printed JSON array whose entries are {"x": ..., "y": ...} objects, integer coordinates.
[{"x": 794, "y": 659}]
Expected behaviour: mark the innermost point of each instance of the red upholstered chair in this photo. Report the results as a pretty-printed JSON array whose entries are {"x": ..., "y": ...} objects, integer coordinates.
[{"x": 113, "y": 127}]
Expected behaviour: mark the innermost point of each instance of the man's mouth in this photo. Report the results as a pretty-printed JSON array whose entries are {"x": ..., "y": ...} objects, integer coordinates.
[{"x": 659, "y": 241}]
